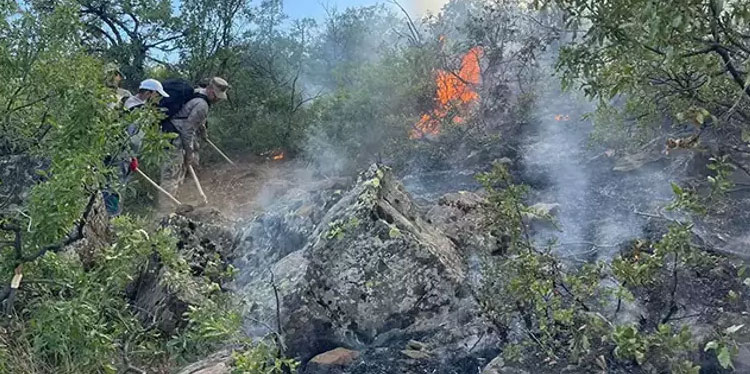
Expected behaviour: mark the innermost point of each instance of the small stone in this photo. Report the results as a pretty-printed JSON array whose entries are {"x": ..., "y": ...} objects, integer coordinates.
[
  {"x": 337, "y": 357},
  {"x": 417, "y": 355}
]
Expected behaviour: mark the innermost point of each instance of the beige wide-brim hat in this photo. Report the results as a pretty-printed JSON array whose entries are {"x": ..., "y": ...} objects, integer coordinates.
[
  {"x": 114, "y": 69},
  {"x": 220, "y": 87}
]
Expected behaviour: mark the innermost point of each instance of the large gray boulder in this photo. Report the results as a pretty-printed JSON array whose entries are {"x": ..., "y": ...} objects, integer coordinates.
[{"x": 371, "y": 276}]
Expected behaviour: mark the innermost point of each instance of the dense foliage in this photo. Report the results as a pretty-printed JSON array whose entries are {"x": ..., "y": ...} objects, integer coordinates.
[{"x": 643, "y": 60}]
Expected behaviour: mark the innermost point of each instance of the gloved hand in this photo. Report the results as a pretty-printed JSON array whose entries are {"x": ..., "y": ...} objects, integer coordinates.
[
  {"x": 191, "y": 159},
  {"x": 133, "y": 164},
  {"x": 203, "y": 131}
]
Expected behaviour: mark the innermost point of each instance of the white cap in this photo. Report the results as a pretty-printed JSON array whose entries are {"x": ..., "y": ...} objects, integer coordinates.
[{"x": 153, "y": 85}]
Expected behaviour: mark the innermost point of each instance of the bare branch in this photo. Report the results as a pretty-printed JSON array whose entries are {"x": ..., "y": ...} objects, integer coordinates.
[
  {"x": 415, "y": 35},
  {"x": 278, "y": 304},
  {"x": 164, "y": 41}
]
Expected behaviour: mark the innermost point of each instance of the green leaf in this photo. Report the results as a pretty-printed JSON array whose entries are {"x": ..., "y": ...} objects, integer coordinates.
[
  {"x": 677, "y": 21},
  {"x": 713, "y": 344},
  {"x": 746, "y": 282},
  {"x": 745, "y": 136},
  {"x": 733, "y": 329},
  {"x": 394, "y": 232},
  {"x": 725, "y": 359},
  {"x": 700, "y": 118},
  {"x": 640, "y": 357},
  {"x": 676, "y": 189},
  {"x": 717, "y": 6}
]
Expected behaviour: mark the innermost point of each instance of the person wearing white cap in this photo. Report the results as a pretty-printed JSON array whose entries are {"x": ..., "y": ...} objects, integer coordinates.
[
  {"x": 150, "y": 90},
  {"x": 149, "y": 93}
]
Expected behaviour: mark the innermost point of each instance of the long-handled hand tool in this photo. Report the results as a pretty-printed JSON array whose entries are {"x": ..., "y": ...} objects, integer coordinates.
[
  {"x": 197, "y": 183},
  {"x": 220, "y": 152},
  {"x": 158, "y": 187}
]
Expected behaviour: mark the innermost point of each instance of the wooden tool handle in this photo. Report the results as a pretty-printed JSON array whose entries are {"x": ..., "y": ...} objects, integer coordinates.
[
  {"x": 197, "y": 183},
  {"x": 219, "y": 151},
  {"x": 158, "y": 187}
]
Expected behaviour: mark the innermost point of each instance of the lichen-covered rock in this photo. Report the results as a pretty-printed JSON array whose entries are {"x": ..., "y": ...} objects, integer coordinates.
[
  {"x": 372, "y": 275},
  {"x": 375, "y": 265},
  {"x": 97, "y": 234},
  {"x": 460, "y": 216},
  {"x": 205, "y": 239},
  {"x": 207, "y": 247}
]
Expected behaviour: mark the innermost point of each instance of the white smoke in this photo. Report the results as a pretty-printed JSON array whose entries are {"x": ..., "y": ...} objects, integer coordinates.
[
  {"x": 597, "y": 206},
  {"x": 422, "y": 7}
]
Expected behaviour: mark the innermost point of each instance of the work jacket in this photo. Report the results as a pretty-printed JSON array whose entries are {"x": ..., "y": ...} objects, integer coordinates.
[{"x": 190, "y": 120}]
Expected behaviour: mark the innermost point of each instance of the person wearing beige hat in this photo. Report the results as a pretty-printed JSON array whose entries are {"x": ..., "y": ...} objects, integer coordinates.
[
  {"x": 189, "y": 123},
  {"x": 113, "y": 79}
]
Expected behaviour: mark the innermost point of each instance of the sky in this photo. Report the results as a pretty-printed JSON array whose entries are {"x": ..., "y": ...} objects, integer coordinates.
[{"x": 315, "y": 8}]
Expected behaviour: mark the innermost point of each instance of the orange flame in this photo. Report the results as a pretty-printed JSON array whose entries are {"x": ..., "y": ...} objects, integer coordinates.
[
  {"x": 452, "y": 88},
  {"x": 562, "y": 117},
  {"x": 278, "y": 156}
]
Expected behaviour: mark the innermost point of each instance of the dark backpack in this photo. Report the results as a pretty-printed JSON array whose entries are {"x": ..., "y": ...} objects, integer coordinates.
[{"x": 180, "y": 92}]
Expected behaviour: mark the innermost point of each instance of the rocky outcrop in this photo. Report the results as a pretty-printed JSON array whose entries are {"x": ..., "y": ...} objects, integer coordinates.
[
  {"x": 97, "y": 234},
  {"x": 371, "y": 275},
  {"x": 205, "y": 238},
  {"x": 460, "y": 217},
  {"x": 207, "y": 247}
]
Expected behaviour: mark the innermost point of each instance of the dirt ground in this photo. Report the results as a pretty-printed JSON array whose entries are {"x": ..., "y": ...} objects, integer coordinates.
[{"x": 234, "y": 190}]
